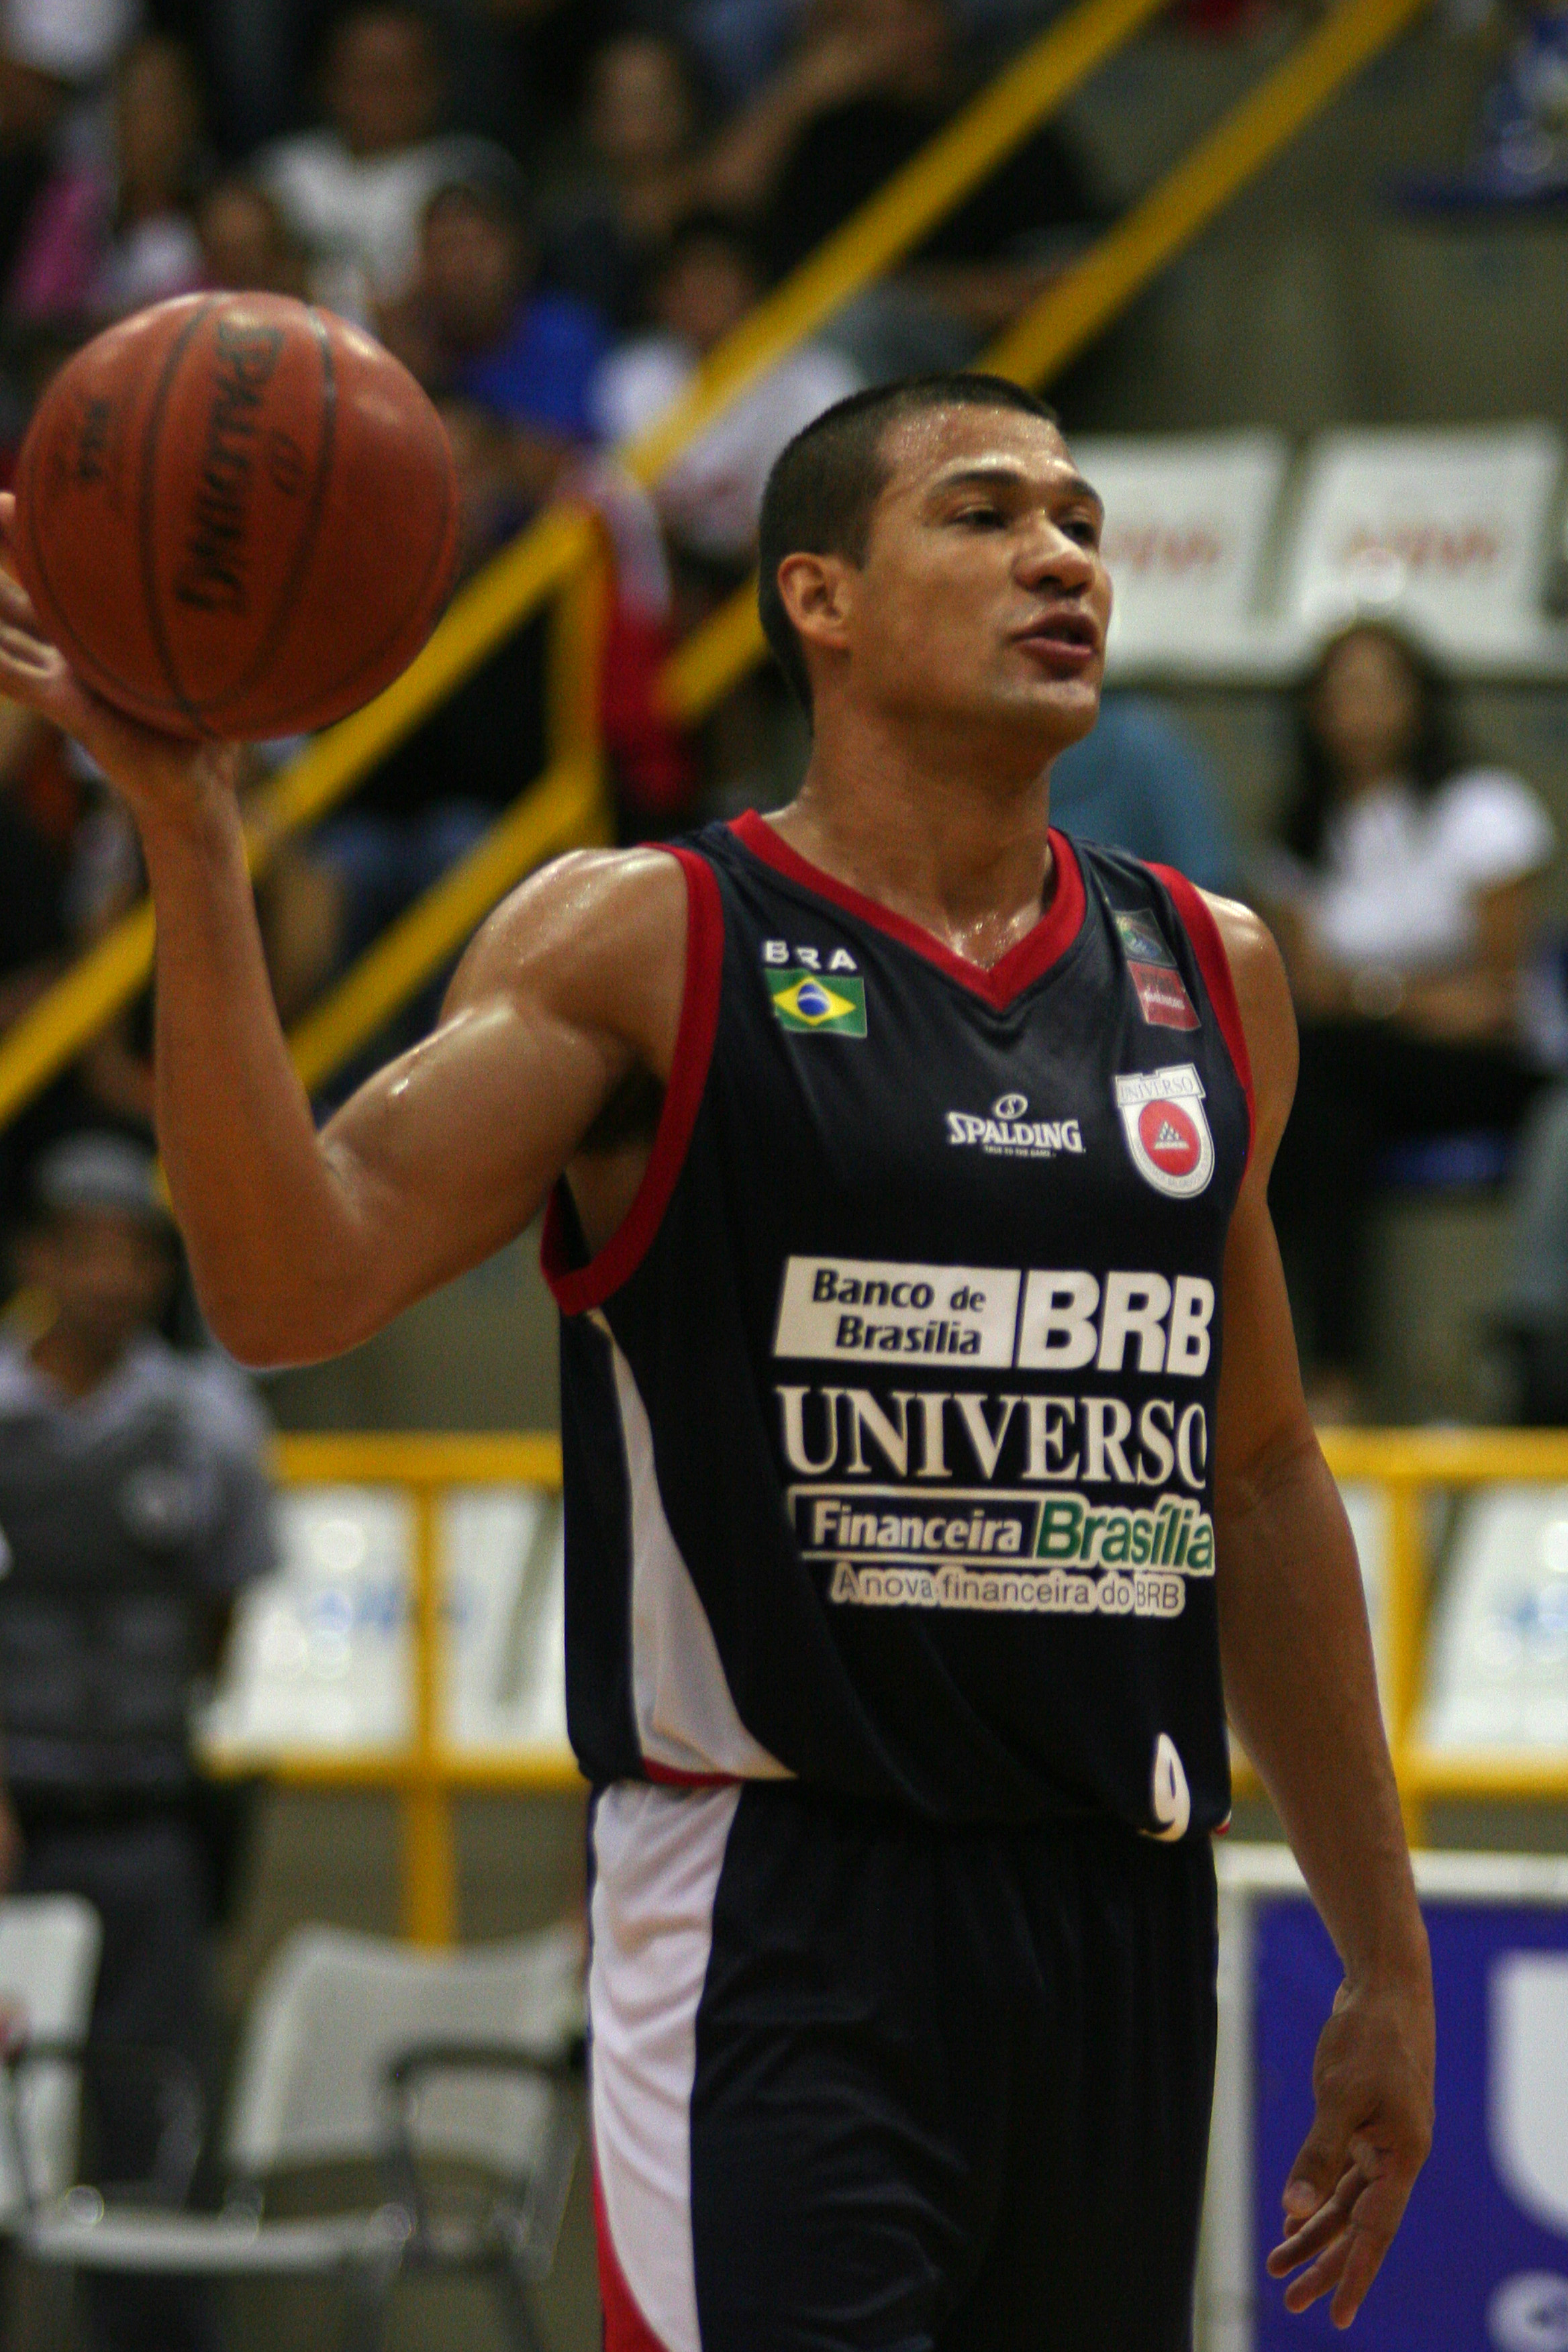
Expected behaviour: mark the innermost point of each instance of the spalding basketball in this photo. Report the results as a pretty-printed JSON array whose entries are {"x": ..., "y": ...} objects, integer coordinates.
[{"x": 236, "y": 516}]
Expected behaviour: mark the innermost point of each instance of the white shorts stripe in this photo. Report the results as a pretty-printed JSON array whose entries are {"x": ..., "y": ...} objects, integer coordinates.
[
  {"x": 657, "y": 1852},
  {"x": 686, "y": 1715}
]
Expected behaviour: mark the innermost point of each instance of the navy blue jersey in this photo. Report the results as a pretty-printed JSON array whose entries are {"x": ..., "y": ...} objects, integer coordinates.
[{"x": 888, "y": 1414}]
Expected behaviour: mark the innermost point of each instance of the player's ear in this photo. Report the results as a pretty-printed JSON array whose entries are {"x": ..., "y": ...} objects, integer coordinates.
[{"x": 818, "y": 592}]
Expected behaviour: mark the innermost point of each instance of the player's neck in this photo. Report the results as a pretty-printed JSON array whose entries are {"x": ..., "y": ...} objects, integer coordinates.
[{"x": 961, "y": 850}]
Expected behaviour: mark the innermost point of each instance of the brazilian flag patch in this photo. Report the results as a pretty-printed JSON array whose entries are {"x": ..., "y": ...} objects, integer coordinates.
[{"x": 805, "y": 1001}]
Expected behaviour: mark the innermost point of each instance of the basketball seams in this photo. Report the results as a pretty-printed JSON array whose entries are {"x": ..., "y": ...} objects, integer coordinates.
[
  {"x": 284, "y": 611},
  {"x": 150, "y": 434},
  {"x": 157, "y": 692},
  {"x": 58, "y": 619},
  {"x": 439, "y": 558}
]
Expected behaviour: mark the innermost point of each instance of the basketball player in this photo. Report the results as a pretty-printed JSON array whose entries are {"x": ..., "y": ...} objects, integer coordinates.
[{"x": 937, "y": 1469}]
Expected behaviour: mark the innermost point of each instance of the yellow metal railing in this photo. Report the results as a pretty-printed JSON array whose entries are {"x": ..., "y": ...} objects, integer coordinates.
[{"x": 429, "y": 1774}]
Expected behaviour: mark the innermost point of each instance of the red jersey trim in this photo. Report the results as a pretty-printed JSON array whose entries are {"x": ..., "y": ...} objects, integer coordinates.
[
  {"x": 1059, "y": 924},
  {"x": 578, "y": 1288},
  {"x": 625, "y": 2329},
  {"x": 670, "y": 1776},
  {"x": 1215, "y": 964}
]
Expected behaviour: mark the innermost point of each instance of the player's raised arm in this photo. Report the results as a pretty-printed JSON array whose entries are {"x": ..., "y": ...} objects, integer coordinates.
[
  {"x": 303, "y": 1245},
  {"x": 1301, "y": 1690}
]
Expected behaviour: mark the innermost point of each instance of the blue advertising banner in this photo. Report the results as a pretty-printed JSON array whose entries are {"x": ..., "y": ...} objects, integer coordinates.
[{"x": 1481, "y": 2263}]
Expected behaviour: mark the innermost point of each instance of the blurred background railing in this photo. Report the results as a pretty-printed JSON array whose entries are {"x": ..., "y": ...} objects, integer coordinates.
[{"x": 410, "y": 1639}]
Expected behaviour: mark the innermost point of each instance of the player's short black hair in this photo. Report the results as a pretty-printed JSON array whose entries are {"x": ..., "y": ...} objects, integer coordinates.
[{"x": 825, "y": 482}]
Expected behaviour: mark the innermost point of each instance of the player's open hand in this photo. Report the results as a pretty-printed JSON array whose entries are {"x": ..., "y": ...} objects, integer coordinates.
[
  {"x": 157, "y": 773},
  {"x": 1348, "y": 2187}
]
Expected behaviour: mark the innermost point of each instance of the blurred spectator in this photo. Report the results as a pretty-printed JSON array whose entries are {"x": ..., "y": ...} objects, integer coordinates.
[
  {"x": 246, "y": 245},
  {"x": 67, "y": 862},
  {"x": 114, "y": 230},
  {"x": 1403, "y": 898},
  {"x": 1139, "y": 783},
  {"x": 355, "y": 190},
  {"x": 76, "y": 42},
  {"x": 711, "y": 497},
  {"x": 478, "y": 324},
  {"x": 135, "y": 1508},
  {"x": 32, "y": 879},
  {"x": 870, "y": 83},
  {"x": 641, "y": 121},
  {"x": 431, "y": 799},
  {"x": 51, "y": 51}
]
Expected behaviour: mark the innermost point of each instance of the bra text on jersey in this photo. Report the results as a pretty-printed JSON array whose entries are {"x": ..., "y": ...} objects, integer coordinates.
[{"x": 806, "y": 1003}]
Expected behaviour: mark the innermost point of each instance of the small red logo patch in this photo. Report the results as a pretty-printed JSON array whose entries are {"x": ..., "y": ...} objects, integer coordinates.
[
  {"x": 1169, "y": 1138},
  {"x": 1162, "y": 999}
]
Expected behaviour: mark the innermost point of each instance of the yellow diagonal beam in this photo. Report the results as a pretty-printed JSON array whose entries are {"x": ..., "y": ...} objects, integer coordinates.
[
  {"x": 564, "y": 809},
  {"x": 1087, "y": 296}
]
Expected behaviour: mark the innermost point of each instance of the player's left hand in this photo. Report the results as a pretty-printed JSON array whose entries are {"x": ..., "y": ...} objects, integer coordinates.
[{"x": 1348, "y": 2187}]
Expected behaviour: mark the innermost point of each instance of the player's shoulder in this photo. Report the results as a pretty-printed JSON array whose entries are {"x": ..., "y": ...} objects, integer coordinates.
[
  {"x": 598, "y": 900},
  {"x": 597, "y": 933}
]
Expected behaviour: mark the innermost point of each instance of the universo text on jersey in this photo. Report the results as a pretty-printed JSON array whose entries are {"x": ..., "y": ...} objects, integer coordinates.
[{"x": 924, "y": 1435}]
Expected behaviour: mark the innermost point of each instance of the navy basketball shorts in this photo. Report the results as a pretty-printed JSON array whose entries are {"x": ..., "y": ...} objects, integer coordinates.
[{"x": 859, "y": 2085}]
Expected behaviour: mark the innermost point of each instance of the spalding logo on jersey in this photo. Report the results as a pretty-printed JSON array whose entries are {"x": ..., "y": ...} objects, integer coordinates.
[{"x": 1167, "y": 1133}]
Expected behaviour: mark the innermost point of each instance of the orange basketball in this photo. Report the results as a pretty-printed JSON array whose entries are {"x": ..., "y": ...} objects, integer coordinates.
[{"x": 236, "y": 516}]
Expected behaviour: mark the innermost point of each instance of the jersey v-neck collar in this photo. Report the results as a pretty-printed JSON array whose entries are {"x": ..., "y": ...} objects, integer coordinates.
[{"x": 1059, "y": 926}]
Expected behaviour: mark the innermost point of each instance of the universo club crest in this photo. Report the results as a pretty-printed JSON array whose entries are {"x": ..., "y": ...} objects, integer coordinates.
[{"x": 1167, "y": 1133}]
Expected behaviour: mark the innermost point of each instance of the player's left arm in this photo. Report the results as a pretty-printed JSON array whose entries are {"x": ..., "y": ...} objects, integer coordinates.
[{"x": 1301, "y": 1690}]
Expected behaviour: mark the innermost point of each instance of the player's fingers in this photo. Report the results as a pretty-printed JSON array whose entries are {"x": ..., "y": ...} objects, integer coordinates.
[
  {"x": 1319, "y": 2167},
  {"x": 1322, "y": 2278},
  {"x": 1303, "y": 2240},
  {"x": 16, "y": 605},
  {"x": 26, "y": 659},
  {"x": 1376, "y": 2216}
]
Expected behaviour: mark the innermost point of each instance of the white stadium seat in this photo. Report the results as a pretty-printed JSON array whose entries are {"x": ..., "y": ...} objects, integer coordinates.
[
  {"x": 49, "y": 1946},
  {"x": 1497, "y": 1660},
  {"x": 1189, "y": 520},
  {"x": 1449, "y": 531}
]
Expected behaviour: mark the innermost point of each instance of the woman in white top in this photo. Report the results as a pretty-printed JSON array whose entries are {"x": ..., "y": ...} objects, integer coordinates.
[{"x": 1403, "y": 898}]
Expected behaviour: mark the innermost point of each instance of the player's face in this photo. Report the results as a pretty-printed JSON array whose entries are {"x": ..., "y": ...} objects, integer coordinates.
[
  {"x": 983, "y": 596},
  {"x": 107, "y": 1275}
]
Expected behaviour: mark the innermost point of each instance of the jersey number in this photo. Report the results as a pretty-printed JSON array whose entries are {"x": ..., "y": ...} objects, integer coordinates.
[{"x": 1171, "y": 1797}]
